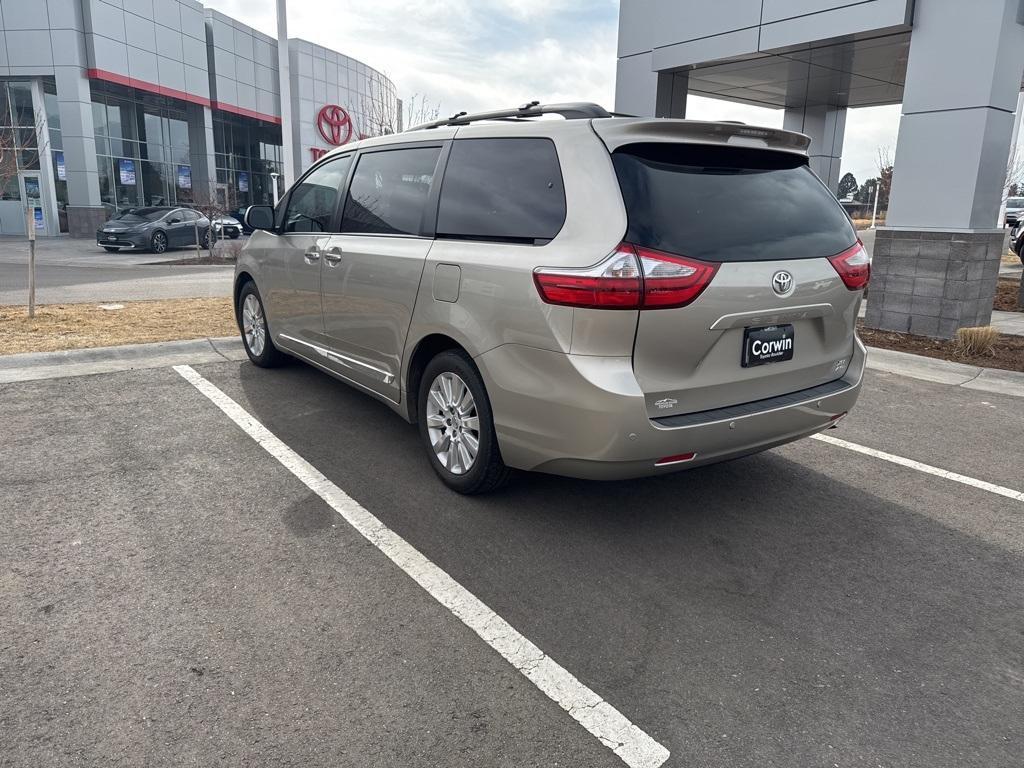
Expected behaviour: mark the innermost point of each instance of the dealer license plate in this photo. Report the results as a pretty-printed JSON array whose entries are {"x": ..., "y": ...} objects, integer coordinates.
[{"x": 773, "y": 344}]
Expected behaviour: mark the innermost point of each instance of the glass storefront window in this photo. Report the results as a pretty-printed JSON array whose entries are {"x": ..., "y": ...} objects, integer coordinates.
[
  {"x": 52, "y": 110},
  {"x": 126, "y": 182},
  {"x": 148, "y": 132},
  {"x": 20, "y": 94},
  {"x": 5, "y": 107},
  {"x": 154, "y": 183},
  {"x": 103, "y": 165},
  {"x": 60, "y": 187},
  {"x": 246, "y": 152}
]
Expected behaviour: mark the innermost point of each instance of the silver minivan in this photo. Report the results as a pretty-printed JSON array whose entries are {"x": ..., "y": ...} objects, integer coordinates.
[{"x": 593, "y": 296}]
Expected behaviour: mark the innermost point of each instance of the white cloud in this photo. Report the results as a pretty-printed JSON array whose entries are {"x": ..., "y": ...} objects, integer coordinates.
[
  {"x": 463, "y": 54},
  {"x": 486, "y": 54}
]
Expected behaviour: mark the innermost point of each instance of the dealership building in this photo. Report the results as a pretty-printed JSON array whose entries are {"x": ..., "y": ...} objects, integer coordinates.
[
  {"x": 955, "y": 66},
  {"x": 118, "y": 103}
]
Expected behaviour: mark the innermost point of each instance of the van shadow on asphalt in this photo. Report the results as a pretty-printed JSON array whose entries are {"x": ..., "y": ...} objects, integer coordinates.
[{"x": 759, "y": 611}]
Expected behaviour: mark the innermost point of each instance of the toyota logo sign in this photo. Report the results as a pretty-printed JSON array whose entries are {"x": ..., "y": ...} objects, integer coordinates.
[
  {"x": 334, "y": 125},
  {"x": 782, "y": 282}
]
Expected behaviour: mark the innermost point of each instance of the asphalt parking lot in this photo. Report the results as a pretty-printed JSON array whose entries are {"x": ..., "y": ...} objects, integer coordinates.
[{"x": 173, "y": 594}]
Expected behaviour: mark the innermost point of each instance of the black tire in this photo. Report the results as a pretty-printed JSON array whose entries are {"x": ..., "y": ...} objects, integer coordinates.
[
  {"x": 270, "y": 356},
  {"x": 108, "y": 249},
  {"x": 235, "y": 235},
  {"x": 487, "y": 472},
  {"x": 158, "y": 243},
  {"x": 205, "y": 241}
]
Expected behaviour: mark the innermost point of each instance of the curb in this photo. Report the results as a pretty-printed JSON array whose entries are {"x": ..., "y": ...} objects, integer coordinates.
[
  {"x": 34, "y": 366},
  {"x": 945, "y": 372}
]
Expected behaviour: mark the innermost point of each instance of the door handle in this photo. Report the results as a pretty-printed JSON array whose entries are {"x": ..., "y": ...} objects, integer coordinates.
[
  {"x": 332, "y": 256},
  {"x": 312, "y": 255}
]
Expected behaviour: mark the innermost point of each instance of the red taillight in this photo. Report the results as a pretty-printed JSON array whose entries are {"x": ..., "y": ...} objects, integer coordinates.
[
  {"x": 672, "y": 281},
  {"x": 853, "y": 266},
  {"x": 630, "y": 278},
  {"x": 612, "y": 284}
]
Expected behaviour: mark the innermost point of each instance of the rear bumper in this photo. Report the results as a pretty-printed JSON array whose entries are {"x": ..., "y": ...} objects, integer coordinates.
[{"x": 586, "y": 417}]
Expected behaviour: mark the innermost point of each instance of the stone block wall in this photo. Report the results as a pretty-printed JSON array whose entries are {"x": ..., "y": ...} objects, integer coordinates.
[{"x": 933, "y": 283}]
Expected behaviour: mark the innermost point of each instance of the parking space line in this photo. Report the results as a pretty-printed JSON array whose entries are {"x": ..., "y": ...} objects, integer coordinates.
[
  {"x": 926, "y": 468},
  {"x": 635, "y": 748}
]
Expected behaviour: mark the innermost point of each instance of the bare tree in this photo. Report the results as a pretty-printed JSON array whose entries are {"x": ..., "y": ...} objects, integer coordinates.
[
  {"x": 1014, "y": 174},
  {"x": 206, "y": 201},
  {"x": 884, "y": 181},
  {"x": 384, "y": 113},
  {"x": 9, "y": 166},
  {"x": 8, "y": 157}
]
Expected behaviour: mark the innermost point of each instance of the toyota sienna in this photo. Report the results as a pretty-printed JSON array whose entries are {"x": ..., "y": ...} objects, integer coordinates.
[{"x": 593, "y": 296}]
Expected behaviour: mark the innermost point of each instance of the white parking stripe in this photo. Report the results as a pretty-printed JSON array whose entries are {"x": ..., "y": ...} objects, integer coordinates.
[
  {"x": 927, "y": 468},
  {"x": 632, "y": 745}
]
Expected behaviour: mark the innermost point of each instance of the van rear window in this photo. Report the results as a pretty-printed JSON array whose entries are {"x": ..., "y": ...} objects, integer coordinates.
[{"x": 728, "y": 203}]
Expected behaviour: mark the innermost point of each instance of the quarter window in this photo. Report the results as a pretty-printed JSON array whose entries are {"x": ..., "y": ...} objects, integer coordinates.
[
  {"x": 507, "y": 190},
  {"x": 389, "y": 191},
  {"x": 312, "y": 204}
]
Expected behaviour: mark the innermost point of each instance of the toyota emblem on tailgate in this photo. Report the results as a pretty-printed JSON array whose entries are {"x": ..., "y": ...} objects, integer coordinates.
[{"x": 782, "y": 282}]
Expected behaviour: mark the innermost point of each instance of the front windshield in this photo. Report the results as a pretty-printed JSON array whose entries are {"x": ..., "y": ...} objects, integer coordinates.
[
  {"x": 1015, "y": 202},
  {"x": 142, "y": 214}
]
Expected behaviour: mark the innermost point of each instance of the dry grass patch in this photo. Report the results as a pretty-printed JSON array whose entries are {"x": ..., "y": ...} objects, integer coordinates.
[
  {"x": 77, "y": 326},
  {"x": 1005, "y": 351},
  {"x": 972, "y": 342}
]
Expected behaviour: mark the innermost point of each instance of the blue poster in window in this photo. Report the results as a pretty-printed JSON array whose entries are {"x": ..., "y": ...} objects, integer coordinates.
[
  {"x": 62, "y": 171},
  {"x": 243, "y": 182},
  {"x": 184, "y": 177},
  {"x": 37, "y": 216},
  {"x": 127, "y": 172}
]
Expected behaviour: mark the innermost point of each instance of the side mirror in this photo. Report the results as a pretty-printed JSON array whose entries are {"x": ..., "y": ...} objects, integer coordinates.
[{"x": 259, "y": 217}]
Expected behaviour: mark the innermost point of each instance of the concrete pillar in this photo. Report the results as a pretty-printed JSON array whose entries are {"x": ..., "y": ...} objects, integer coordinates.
[
  {"x": 636, "y": 86},
  {"x": 201, "y": 150},
  {"x": 827, "y": 128},
  {"x": 673, "y": 88},
  {"x": 937, "y": 260},
  {"x": 46, "y": 172},
  {"x": 74, "y": 100},
  {"x": 641, "y": 91}
]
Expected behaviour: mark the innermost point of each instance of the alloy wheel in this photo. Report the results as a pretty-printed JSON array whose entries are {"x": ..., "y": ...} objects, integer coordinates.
[
  {"x": 159, "y": 242},
  {"x": 253, "y": 327},
  {"x": 453, "y": 423}
]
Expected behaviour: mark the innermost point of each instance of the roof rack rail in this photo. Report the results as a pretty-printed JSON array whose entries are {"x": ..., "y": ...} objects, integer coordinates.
[{"x": 570, "y": 111}]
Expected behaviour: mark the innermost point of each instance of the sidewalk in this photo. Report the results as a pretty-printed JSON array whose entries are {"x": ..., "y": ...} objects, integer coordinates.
[
  {"x": 1010, "y": 323},
  {"x": 33, "y": 366}
]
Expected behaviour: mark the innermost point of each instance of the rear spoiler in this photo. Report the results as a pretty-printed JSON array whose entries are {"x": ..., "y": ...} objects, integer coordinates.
[{"x": 617, "y": 132}]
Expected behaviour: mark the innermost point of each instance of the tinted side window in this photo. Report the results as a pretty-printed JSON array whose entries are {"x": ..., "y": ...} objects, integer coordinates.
[
  {"x": 187, "y": 215},
  {"x": 312, "y": 203},
  {"x": 502, "y": 189},
  {"x": 389, "y": 191},
  {"x": 728, "y": 204}
]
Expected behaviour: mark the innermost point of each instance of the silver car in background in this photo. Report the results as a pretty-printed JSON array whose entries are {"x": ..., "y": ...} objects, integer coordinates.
[{"x": 570, "y": 296}]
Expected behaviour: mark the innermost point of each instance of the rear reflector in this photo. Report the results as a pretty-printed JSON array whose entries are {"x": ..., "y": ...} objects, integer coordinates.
[
  {"x": 853, "y": 266},
  {"x": 630, "y": 278},
  {"x": 680, "y": 458}
]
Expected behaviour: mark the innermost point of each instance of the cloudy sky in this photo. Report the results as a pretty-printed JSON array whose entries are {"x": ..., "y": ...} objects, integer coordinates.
[{"x": 486, "y": 54}]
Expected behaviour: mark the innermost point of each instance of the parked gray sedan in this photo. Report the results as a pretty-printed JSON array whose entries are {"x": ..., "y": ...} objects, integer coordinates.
[
  {"x": 577, "y": 297},
  {"x": 154, "y": 229}
]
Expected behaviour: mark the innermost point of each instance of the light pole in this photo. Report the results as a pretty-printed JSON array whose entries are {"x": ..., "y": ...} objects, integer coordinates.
[
  {"x": 284, "y": 74},
  {"x": 874, "y": 212}
]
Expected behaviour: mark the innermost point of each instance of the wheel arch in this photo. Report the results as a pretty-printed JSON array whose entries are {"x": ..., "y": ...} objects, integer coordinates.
[
  {"x": 426, "y": 349},
  {"x": 241, "y": 279}
]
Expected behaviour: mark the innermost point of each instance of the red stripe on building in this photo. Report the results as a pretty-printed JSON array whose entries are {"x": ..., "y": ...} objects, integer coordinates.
[
  {"x": 245, "y": 112},
  {"x": 143, "y": 85}
]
